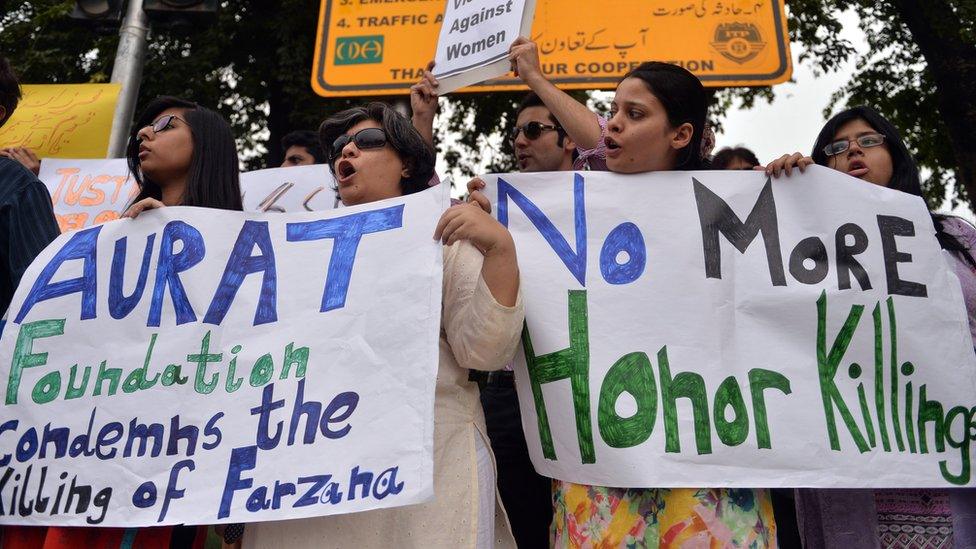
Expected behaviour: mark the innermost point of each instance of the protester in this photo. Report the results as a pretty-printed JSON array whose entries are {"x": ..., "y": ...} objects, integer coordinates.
[
  {"x": 784, "y": 505},
  {"x": 526, "y": 495},
  {"x": 376, "y": 153},
  {"x": 180, "y": 154},
  {"x": 183, "y": 155},
  {"x": 734, "y": 158},
  {"x": 301, "y": 148},
  {"x": 423, "y": 103},
  {"x": 657, "y": 123},
  {"x": 541, "y": 145},
  {"x": 25, "y": 156},
  {"x": 863, "y": 144},
  {"x": 27, "y": 222}
]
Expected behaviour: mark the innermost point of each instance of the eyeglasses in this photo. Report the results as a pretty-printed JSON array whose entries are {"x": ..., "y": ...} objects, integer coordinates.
[
  {"x": 533, "y": 130},
  {"x": 370, "y": 138},
  {"x": 164, "y": 123},
  {"x": 864, "y": 141}
]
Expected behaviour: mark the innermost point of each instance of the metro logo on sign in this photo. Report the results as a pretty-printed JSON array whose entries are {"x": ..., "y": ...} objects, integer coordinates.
[{"x": 359, "y": 50}]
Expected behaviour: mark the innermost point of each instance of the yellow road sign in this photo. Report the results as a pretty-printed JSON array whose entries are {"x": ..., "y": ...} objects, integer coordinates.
[{"x": 376, "y": 47}]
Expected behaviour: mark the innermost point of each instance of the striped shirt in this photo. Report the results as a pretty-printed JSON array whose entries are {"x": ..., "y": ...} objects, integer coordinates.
[{"x": 27, "y": 224}]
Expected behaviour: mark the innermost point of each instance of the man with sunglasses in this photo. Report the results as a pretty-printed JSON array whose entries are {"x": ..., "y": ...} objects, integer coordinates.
[
  {"x": 540, "y": 144},
  {"x": 27, "y": 222}
]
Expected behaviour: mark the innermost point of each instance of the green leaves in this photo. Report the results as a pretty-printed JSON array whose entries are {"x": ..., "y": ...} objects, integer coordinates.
[{"x": 254, "y": 63}]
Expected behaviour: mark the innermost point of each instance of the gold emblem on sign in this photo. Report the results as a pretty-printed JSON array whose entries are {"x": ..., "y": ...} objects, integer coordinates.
[{"x": 738, "y": 42}]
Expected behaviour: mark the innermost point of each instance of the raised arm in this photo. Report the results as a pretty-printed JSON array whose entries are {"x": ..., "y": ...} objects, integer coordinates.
[
  {"x": 580, "y": 123},
  {"x": 423, "y": 103}
]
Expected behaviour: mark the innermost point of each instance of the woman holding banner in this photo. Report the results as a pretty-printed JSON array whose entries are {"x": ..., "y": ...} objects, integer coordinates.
[
  {"x": 375, "y": 153},
  {"x": 180, "y": 154},
  {"x": 183, "y": 155},
  {"x": 863, "y": 144},
  {"x": 657, "y": 123}
]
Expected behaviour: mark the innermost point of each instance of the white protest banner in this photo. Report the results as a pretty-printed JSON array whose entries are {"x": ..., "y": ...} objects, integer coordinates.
[
  {"x": 296, "y": 189},
  {"x": 475, "y": 36},
  {"x": 202, "y": 366},
  {"x": 87, "y": 192},
  {"x": 717, "y": 329}
]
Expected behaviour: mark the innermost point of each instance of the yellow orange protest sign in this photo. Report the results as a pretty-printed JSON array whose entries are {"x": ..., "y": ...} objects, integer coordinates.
[
  {"x": 63, "y": 120},
  {"x": 87, "y": 192},
  {"x": 374, "y": 47}
]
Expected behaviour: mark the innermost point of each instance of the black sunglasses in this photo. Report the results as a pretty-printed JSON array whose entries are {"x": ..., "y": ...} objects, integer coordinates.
[
  {"x": 370, "y": 138},
  {"x": 533, "y": 130}
]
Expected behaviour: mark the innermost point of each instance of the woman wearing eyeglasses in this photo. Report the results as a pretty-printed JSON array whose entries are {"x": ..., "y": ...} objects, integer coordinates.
[
  {"x": 180, "y": 154},
  {"x": 183, "y": 155},
  {"x": 375, "y": 153},
  {"x": 656, "y": 123},
  {"x": 863, "y": 144}
]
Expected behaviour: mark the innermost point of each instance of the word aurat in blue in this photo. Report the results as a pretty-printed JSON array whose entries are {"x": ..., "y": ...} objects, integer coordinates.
[{"x": 173, "y": 260}]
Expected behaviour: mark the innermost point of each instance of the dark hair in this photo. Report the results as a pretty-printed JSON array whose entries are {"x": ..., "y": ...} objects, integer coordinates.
[
  {"x": 531, "y": 99},
  {"x": 724, "y": 158},
  {"x": 904, "y": 176},
  {"x": 9, "y": 90},
  {"x": 684, "y": 100},
  {"x": 213, "y": 180},
  {"x": 307, "y": 139},
  {"x": 416, "y": 155}
]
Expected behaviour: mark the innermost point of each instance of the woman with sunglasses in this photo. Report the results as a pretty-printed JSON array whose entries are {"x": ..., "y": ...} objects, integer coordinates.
[
  {"x": 180, "y": 154},
  {"x": 863, "y": 144},
  {"x": 657, "y": 123},
  {"x": 375, "y": 153}
]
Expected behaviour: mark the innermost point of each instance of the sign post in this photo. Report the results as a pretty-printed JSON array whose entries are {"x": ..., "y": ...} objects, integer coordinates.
[{"x": 381, "y": 49}]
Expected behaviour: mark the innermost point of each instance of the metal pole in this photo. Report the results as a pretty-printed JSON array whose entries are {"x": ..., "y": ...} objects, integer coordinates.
[{"x": 129, "y": 59}]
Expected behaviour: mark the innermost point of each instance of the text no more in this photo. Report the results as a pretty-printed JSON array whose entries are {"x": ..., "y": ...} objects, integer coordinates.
[{"x": 927, "y": 427}]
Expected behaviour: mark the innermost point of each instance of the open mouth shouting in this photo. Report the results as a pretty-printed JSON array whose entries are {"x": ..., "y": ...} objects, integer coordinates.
[
  {"x": 344, "y": 170},
  {"x": 857, "y": 168},
  {"x": 613, "y": 148}
]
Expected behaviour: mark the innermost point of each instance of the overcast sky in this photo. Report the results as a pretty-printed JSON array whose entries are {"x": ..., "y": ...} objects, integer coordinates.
[{"x": 791, "y": 123}]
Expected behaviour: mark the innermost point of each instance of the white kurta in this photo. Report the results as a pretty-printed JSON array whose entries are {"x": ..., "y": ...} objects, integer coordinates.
[{"x": 476, "y": 333}]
